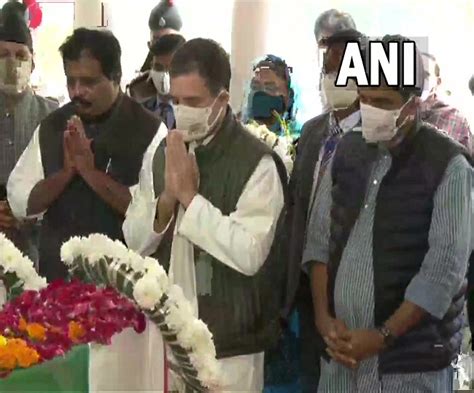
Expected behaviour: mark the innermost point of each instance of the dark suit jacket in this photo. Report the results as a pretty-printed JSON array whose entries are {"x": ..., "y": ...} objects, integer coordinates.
[{"x": 313, "y": 135}]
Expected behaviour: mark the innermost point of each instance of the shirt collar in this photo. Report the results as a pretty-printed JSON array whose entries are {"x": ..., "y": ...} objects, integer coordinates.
[{"x": 343, "y": 125}]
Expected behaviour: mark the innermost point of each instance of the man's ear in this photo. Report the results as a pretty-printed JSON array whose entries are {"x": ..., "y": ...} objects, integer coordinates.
[{"x": 225, "y": 97}]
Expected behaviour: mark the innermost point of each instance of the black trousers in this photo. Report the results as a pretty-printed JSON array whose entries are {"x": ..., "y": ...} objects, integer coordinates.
[{"x": 310, "y": 351}]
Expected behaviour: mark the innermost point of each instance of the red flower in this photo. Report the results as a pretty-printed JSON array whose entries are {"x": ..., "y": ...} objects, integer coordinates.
[{"x": 101, "y": 313}]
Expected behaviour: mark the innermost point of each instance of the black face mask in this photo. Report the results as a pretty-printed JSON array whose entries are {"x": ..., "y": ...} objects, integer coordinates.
[{"x": 262, "y": 105}]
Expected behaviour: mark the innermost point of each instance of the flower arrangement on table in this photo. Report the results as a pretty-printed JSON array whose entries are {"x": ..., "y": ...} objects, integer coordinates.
[
  {"x": 282, "y": 145},
  {"x": 45, "y": 322},
  {"x": 100, "y": 260},
  {"x": 63, "y": 315}
]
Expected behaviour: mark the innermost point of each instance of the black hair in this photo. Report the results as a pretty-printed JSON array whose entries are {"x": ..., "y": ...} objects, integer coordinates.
[
  {"x": 13, "y": 27},
  {"x": 404, "y": 90},
  {"x": 283, "y": 71},
  {"x": 99, "y": 44},
  {"x": 471, "y": 84},
  {"x": 342, "y": 37},
  {"x": 332, "y": 21},
  {"x": 167, "y": 44},
  {"x": 208, "y": 59},
  {"x": 278, "y": 66}
]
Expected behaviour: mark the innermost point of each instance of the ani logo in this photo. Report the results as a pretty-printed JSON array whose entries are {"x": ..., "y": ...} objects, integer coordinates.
[{"x": 398, "y": 66}]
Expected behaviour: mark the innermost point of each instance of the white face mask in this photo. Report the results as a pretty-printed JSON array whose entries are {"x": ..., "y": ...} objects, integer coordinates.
[
  {"x": 379, "y": 125},
  {"x": 194, "y": 122},
  {"x": 161, "y": 80},
  {"x": 14, "y": 75},
  {"x": 338, "y": 97}
]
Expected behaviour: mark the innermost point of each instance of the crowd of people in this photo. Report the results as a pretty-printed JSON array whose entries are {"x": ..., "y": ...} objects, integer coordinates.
[{"x": 349, "y": 274}]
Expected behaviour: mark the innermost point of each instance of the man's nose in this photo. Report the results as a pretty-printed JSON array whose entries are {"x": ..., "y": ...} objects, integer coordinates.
[{"x": 77, "y": 89}]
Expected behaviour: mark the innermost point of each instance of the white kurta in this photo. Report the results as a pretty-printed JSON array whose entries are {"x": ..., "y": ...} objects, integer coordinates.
[
  {"x": 241, "y": 241},
  {"x": 133, "y": 362}
]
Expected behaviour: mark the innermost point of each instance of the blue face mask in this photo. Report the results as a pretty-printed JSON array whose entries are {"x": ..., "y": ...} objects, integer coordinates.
[{"x": 262, "y": 105}]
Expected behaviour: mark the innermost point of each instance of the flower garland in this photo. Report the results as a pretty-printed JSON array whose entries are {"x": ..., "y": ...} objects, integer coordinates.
[
  {"x": 101, "y": 260},
  {"x": 16, "y": 270},
  {"x": 55, "y": 319},
  {"x": 282, "y": 145}
]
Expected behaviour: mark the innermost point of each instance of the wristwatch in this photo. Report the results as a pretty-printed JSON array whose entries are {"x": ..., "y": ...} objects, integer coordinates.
[{"x": 388, "y": 337}]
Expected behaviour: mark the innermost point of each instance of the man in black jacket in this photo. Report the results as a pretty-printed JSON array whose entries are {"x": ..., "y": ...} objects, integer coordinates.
[
  {"x": 388, "y": 244},
  {"x": 317, "y": 143},
  {"x": 81, "y": 161}
]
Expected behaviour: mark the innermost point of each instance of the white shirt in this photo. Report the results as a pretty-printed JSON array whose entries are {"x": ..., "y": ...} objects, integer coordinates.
[
  {"x": 241, "y": 240},
  {"x": 27, "y": 173}
]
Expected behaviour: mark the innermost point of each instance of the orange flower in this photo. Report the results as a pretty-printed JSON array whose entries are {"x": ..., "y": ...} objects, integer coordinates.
[
  {"x": 36, "y": 331},
  {"x": 17, "y": 352},
  {"x": 16, "y": 343},
  {"x": 22, "y": 325},
  {"x": 27, "y": 357},
  {"x": 7, "y": 359},
  {"x": 76, "y": 331}
]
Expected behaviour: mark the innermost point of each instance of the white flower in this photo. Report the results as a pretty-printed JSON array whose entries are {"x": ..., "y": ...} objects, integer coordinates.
[
  {"x": 25, "y": 269},
  {"x": 71, "y": 250},
  {"x": 137, "y": 263},
  {"x": 148, "y": 292},
  {"x": 176, "y": 298},
  {"x": 152, "y": 267},
  {"x": 35, "y": 283},
  {"x": 13, "y": 261},
  {"x": 178, "y": 317},
  {"x": 209, "y": 371},
  {"x": 202, "y": 339}
]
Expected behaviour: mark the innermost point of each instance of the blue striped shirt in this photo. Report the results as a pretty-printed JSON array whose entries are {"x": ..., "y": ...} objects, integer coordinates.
[{"x": 433, "y": 288}]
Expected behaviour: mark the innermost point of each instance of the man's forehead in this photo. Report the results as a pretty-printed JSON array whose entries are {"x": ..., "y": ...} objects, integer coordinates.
[
  {"x": 84, "y": 66},
  {"x": 14, "y": 46}
]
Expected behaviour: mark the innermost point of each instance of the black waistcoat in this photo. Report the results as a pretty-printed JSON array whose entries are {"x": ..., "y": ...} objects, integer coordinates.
[
  {"x": 119, "y": 142},
  {"x": 402, "y": 221}
]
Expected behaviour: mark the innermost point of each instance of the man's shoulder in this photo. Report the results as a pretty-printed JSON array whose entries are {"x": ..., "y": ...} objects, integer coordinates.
[
  {"x": 436, "y": 142},
  {"x": 48, "y": 104},
  {"x": 442, "y": 110},
  {"x": 314, "y": 124},
  {"x": 142, "y": 88},
  {"x": 138, "y": 112}
]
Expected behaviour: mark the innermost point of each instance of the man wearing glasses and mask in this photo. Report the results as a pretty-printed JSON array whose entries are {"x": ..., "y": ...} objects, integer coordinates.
[{"x": 21, "y": 110}]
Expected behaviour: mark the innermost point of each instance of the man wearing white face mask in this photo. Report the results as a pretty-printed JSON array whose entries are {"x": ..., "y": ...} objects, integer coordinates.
[
  {"x": 317, "y": 143},
  {"x": 163, "y": 51},
  {"x": 388, "y": 244},
  {"x": 327, "y": 24},
  {"x": 210, "y": 207},
  {"x": 21, "y": 110}
]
